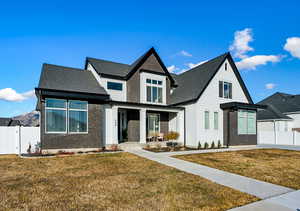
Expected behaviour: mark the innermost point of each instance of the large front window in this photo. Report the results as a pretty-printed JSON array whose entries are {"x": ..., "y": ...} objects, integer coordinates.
[
  {"x": 246, "y": 122},
  {"x": 64, "y": 116},
  {"x": 154, "y": 91}
]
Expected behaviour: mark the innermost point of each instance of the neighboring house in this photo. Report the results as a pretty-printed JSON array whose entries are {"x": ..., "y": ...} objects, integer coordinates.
[
  {"x": 9, "y": 122},
  {"x": 109, "y": 103},
  {"x": 282, "y": 113}
]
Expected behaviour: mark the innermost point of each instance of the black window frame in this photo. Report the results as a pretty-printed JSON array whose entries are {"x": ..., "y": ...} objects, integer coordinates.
[{"x": 114, "y": 86}]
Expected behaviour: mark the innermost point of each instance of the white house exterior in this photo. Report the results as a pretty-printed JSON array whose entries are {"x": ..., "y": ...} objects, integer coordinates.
[{"x": 109, "y": 103}]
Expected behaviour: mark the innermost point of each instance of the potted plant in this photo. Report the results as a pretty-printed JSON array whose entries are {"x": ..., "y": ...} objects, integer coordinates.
[{"x": 172, "y": 136}]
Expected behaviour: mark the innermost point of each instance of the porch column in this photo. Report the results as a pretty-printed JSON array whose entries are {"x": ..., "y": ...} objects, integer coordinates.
[
  {"x": 111, "y": 126},
  {"x": 180, "y": 126},
  {"x": 143, "y": 126}
]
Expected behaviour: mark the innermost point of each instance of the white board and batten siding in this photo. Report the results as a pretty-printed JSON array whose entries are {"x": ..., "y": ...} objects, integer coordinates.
[
  {"x": 210, "y": 101},
  {"x": 16, "y": 140}
]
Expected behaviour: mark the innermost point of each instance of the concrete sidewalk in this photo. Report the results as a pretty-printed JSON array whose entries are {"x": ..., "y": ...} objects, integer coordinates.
[
  {"x": 251, "y": 186},
  {"x": 286, "y": 202}
]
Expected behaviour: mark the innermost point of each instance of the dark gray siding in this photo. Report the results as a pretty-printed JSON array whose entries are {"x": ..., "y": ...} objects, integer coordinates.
[
  {"x": 133, "y": 88},
  {"x": 231, "y": 136},
  {"x": 133, "y": 117},
  {"x": 152, "y": 64},
  {"x": 94, "y": 138}
]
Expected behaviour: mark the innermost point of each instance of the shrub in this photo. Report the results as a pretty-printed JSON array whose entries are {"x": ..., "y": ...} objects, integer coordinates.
[
  {"x": 219, "y": 144},
  {"x": 172, "y": 135},
  {"x": 205, "y": 145},
  {"x": 114, "y": 147},
  {"x": 29, "y": 149},
  {"x": 158, "y": 146},
  {"x": 212, "y": 145},
  {"x": 199, "y": 145},
  {"x": 147, "y": 146}
]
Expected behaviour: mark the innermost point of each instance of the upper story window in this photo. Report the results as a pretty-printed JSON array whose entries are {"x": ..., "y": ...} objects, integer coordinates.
[
  {"x": 225, "y": 89},
  {"x": 154, "y": 91},
  {"x": 114, "y": 86},
  {"x": 225, "y": 66},
  {"x": 64, "y": 116}
]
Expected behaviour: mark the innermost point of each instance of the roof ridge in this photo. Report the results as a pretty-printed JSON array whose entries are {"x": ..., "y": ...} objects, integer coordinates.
[
  {"x": 61, "y": 66},
  {"x": 106, "y": 61},
  {"x": 215, "y": 58}
]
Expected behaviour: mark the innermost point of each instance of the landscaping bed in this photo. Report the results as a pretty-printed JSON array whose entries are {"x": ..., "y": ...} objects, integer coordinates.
[
  {"x": 108, "y": 181},
  {"x": 168, "y": 149},
  {"x": 275, "y": 166}
]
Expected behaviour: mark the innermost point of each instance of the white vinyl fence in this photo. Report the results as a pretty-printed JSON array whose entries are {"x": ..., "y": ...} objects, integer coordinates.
[
  {"x": 16, "y": 140},
  {"x": 279, "y": 137}
]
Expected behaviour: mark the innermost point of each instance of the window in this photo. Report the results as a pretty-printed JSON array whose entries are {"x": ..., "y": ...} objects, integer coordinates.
[
  {"x": 206, "y": 120},
  {"x": 154, "y": 91},
  {"x": 216, "y": 120},
  {"x": 77, "y": 116},
  {"x": 56, "y": 116},
  {"x": 246, "y": 122},
  {"x": 225, "y": 89},
  {"x": 225, "y": 66},
  {"x": 64, "y": 116},
  {"x": 114, "y": 86}
]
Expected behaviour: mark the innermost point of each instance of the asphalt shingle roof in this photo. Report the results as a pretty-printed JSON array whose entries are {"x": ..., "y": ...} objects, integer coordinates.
[
  {"x": 110, "y": 68},
  {"x": 193, "y": 82},
  {"x": 281, "y": 103},
  {"x": 9, "y": 122},
  {"x": 54, "y": 77}
]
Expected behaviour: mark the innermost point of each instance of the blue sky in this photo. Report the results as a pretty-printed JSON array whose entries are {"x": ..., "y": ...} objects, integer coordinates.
[{"x": 183, "y": 32}]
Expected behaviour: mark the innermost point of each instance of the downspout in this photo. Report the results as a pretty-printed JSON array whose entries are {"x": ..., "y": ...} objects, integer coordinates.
[{"x": 184, "y": 139}]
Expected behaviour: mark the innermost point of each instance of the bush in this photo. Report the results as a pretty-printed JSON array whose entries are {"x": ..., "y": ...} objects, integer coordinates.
[
  {"x": 172, "y": 135},
  {"x": 205, "y": 145},
  {"x": 114, "y": 147},
  {"x": 212, "y": 145},
  {"x": 199, "y": 145},
  {"x": 219, "y": 144}
]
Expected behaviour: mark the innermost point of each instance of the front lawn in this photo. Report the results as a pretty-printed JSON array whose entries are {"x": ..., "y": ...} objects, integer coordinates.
[
  {"x": 271, "y": 165},
  {"x": 117, "y": 181}
]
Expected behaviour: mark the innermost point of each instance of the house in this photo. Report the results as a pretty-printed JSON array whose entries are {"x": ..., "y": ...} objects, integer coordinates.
[
  {"x": 282, "y": 113},
  {"x": 108, "y": 103},
  {"x": 9, "y": 122}
]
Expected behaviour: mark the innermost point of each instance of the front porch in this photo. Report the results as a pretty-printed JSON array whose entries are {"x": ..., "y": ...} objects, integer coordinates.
[{"x": 138, "y": 124}]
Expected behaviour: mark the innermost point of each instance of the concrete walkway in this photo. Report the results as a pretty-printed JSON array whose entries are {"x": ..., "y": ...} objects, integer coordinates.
[
  {"x": 275, "y": 146},
  {"x": 285, "y": 202},
  {"x": 251, "y": 186}
]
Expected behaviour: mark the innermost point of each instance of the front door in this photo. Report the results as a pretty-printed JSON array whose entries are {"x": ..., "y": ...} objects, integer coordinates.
[{"x": 153, "y": 124}]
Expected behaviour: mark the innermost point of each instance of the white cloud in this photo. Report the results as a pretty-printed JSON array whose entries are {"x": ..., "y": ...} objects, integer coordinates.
[
  {"x": 253, "y": 61},
  {"x": 172, "y": 68},
  {"x": 9, "y": 94},
  {"x": 240, "y": 45},
  {"x": 292, "y": 45},
  {"x": 185, "y": 53},
  {"x": 270, "y": 86},
  {"x": 192, "y": 65}
]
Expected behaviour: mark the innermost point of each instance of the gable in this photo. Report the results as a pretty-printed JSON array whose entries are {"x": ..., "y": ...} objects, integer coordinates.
[
  {"x": 152, "y": 64},
  {"x": 211, "y": 93},
  {"x": 192, "y": 83}
]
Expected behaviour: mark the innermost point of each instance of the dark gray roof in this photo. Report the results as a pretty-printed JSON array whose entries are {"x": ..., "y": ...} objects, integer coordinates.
[
  {"x": 271, "y": 113},
  {"x": 279, "y": 104},
  {"x": 285, "y": 103},
  {"x": 109, "y": 68},
  {"x": 60, "y": 78},
  {"x": 9, "y": 122},
  {"x": 192, "y": 83},
  {"x": 4, "y": 121}
]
